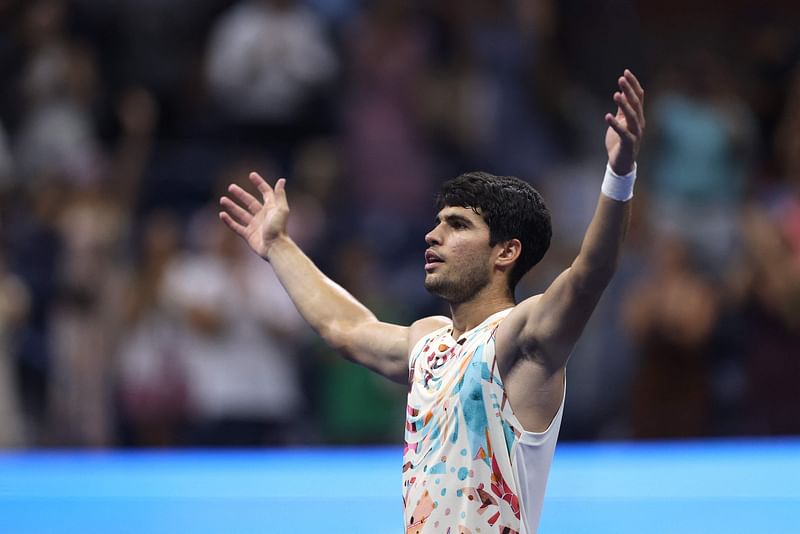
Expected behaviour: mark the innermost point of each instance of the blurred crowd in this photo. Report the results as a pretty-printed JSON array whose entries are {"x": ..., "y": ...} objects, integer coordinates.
[{"x": 129, "y": 316}]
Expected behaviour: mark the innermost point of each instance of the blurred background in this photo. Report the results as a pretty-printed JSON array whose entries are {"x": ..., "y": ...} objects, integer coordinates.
[{"x": 130, "y": 317}]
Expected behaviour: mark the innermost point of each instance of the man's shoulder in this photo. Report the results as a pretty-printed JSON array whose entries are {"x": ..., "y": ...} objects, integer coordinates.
[
  {"x": 510, "y": 327},
  {"x": 426, "y": 325},
  {"x": 525, "y": 306},
  {"x": 422, "y": 327}
]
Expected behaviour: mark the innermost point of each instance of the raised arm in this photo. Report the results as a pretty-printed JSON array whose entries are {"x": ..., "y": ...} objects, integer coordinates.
[
  {"x": 547, "y": 326},
  {"x": 343, "y": 322}
]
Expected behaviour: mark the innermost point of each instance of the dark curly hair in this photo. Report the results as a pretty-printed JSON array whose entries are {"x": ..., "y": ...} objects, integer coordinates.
[{"x": 511, "y": 208}]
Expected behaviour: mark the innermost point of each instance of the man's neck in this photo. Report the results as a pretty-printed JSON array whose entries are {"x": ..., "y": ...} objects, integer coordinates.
[{"x": 469, "y": 314}]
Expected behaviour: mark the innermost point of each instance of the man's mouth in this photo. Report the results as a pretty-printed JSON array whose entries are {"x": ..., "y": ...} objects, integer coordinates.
[{"x": 432, "y": 260}]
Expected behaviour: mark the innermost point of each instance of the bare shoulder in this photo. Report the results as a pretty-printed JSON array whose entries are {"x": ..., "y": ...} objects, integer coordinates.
[
  {"x": 424, "y": 326},
  {"x": 517, "y": 317}
]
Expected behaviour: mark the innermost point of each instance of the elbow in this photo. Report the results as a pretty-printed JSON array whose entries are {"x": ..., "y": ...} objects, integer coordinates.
[
  {"x": 336, "y": 336},
  {"x": 341, "y": 337}
]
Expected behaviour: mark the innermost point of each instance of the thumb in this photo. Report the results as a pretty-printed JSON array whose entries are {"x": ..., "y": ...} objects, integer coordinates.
[{"x": 280, "y": 190}]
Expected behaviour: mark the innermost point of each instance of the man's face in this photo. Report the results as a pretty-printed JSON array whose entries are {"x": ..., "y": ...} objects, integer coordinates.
[{"x": 458, "y": 261}]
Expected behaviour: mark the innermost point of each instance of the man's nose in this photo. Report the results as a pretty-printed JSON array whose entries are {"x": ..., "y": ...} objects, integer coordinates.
[{"x": 432, "y": 237}]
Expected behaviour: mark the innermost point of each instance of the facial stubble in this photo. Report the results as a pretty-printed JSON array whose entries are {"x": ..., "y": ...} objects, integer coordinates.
[{"x": 459, "y": 284}]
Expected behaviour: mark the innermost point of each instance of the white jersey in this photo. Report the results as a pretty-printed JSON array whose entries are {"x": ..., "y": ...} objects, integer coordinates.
[{"x": 468, "y": 465}]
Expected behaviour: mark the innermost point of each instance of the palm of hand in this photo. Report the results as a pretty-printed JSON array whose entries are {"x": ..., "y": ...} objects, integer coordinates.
[
  {"x": 259, "y": 223},
  {"x": 625, "y": 129},
  {"x": 622, "y": 151},
  {"x": 267, "y": 224}
]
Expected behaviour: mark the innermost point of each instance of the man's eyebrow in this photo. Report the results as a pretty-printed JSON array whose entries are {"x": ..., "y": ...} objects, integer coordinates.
[{"x": 452, "y": 217}]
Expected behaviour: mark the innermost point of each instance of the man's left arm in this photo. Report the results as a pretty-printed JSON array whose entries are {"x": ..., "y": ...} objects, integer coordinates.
[{"x": 546, "y": 327}]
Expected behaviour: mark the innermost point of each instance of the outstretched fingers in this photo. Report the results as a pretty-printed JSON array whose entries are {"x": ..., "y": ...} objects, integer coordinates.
[
  {"x": 635, "y": 94},
  {"x": 634, "y": 82},
  {"x": 240, "y": 214},
  {"x": 627, "y": 123},
  {"x": 245, "y": 198},
  {"x": 634, "y": 100},
  {"x": 261, "y": 184},
  {"x": 628, "y": 111},
  {"x": 233, "y": 225}
]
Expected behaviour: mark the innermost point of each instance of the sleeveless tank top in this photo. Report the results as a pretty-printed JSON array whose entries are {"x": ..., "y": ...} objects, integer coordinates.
[{"x": 468, "y": 465}]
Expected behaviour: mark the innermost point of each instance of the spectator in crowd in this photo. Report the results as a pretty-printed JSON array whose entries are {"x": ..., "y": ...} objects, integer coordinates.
[
  {"x": 117, "y": 117},
  {"x": 237, "y": 334},
  {"x": 670, "y": 315},
  {"x": 703, "y": 149},
  {"x": 151, "y": 382},
  {"x": 86, "y": 320},
  {"x": 60, "y": 84},
  {"x": 14, "y": 307},
  {"x": 771, "y": 286},
  {"x": 772, "y": 312},
  {"x": 152, "y": 44},
  {"x": 34, "y": 255},
  {"x": 388, "y": 159},
  {"x": 268, "y": 64},
  {"x": 356, "y": 405}
]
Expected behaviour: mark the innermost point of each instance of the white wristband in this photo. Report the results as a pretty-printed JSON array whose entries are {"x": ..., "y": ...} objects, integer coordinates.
[{"x": 618, "y": 187}]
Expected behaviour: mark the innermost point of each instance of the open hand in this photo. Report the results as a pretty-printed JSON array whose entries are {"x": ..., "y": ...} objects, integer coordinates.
[
  {"x": 624, "y": 135},
  {"x": 259, "y": 223}
]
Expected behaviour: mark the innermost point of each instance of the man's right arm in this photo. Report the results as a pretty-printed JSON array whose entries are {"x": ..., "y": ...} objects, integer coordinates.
[{"x": 341, "y": 320}]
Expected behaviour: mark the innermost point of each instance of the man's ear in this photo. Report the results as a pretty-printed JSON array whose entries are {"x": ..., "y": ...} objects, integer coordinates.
[{"x": 508, "y": 253}]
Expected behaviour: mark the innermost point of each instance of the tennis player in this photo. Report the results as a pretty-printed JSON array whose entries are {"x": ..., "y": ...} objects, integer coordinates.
[{"x": 487, "y": 384}]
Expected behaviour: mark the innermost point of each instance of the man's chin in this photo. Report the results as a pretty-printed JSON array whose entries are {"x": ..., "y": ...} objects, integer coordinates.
[
  {"x": 432, "y": 284},
  {"x": 438, "y": 287}
]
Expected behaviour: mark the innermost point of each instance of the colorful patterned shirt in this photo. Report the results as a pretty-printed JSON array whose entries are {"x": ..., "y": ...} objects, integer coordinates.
[{"x": 469, "y": 466}]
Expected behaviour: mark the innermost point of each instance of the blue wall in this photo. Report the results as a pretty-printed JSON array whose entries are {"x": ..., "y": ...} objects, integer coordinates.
[{"x": 703, "y": 487}]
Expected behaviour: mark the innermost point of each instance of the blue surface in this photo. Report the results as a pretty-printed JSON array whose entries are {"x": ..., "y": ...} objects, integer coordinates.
[{"x": 708, "y": 487}]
